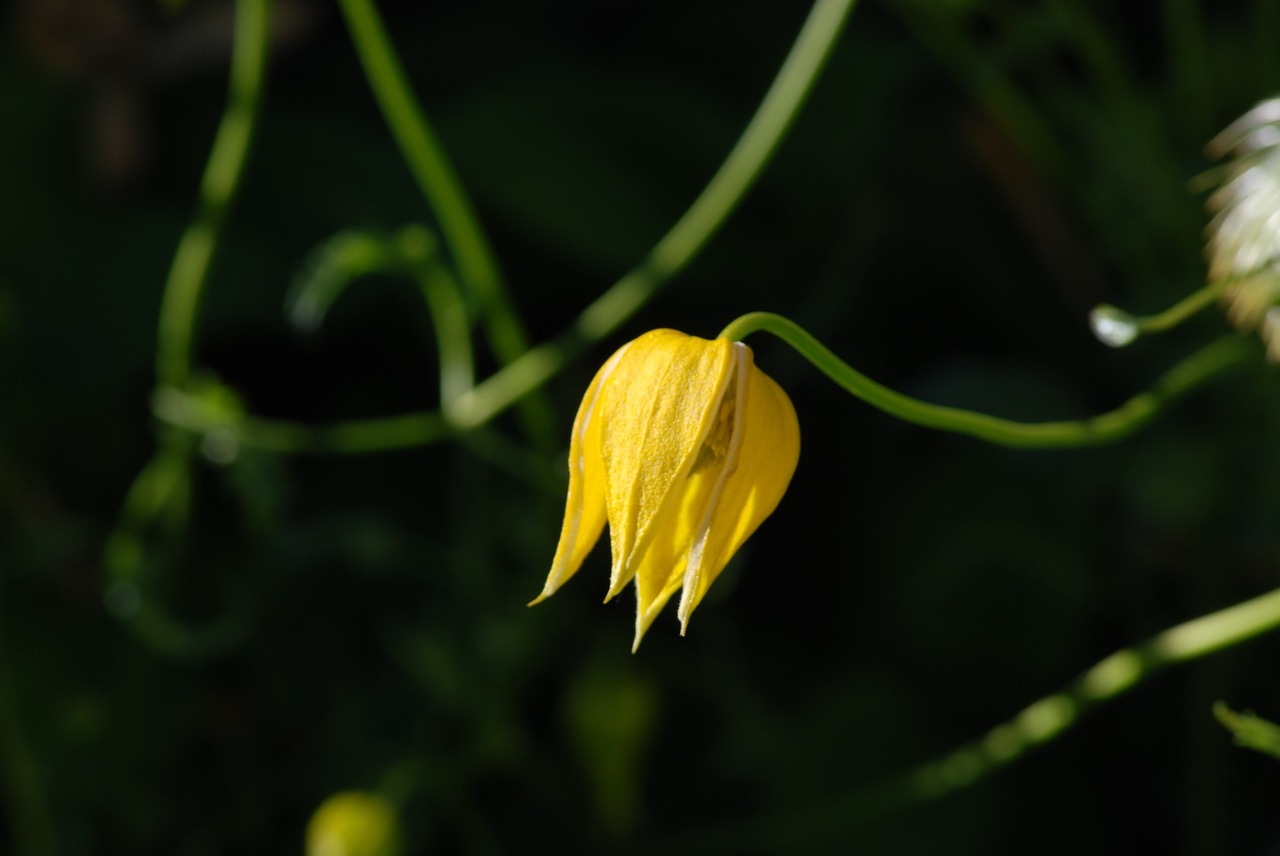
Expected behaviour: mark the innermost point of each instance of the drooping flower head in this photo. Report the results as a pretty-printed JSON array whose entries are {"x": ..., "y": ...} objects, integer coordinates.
[{"x": 684, "y": 447}]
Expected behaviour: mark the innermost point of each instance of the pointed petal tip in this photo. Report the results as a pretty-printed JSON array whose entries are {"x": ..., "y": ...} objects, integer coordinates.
[
  {"x": 613, "y": 592},
  {"x": 685, "y": 610},
  {"x": 643, "y": 622},
  {"x": 616, "y": 585},
  {"x": 684, "y": 621},
  {"x": 642, "y": 627}
]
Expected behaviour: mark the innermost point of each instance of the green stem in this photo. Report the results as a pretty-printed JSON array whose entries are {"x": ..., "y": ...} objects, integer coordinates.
[
  {"x": 193, "y": 414},
  {"x": 1106, "y": 428},
  {"x": 1250, "y": 730},
  {"x": 752, "y": 152},
  {"x": 448, "y": 313},
  {"x": 511, "y": 384},
  {"x": 161, "y": 490},
  {"x": 1034, "y": 726},
  {"x": 443, "y": 191},
  {"x": 741, "y": 168},
  {"x": 1050, "y": 716},
  {"x": 1117, "y": 328},
  {"x": 1183, "y": 309},
  {"x": 189, "y": 271},
  {"x": 433, "y": 172},
  {"x": 411, "y": 251}
]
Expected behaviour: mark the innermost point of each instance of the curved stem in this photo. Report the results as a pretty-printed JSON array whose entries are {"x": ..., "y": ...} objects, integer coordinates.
[
  {"x": 189, "y": 271},
  {"x": 1105, "y": 428},
  {"x": 1050, "y": 716},
  {"x": 443, "y": 191},
  {"x": 1035, "y": 725},
  {"x": 193, "y": 414},
  {"x": 160, "y": 491},
  {"x": 448, "y": 312},
  {"x": 1116, "y": 327},
  {"x": 431, "y": 168},
  {"x": 736, "y": 175},
  {"x": 234, "y": 431},
  {"x": 1249, "y": 729},
  {"x": 410, "y": 251},
  {"x": 473, "y": 408},
  {"x": 1183, "y": 309},
  {"x": 741, "y": 168}
]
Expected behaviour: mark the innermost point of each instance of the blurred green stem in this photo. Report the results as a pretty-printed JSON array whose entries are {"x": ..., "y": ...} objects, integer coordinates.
[
  {"x": 444, "y": 194},
  {"x": 533, "y": 368},
  {"x": 735, "y": 177},
  {"x": 160, "y": 491},
  {"x": 1250, "y": 730},
  {"x": 189, "y": 272},
  {"x": 1169, "y": 318},
  {"x": 1035, "y": 725},
  {"x": 195, "y": 414},
  {"x": 1052, "y": 715},
  {"x": 1105, "y": 428},
  {"x": 690, "y": 233},
  {"x": 447, "y": 308}
]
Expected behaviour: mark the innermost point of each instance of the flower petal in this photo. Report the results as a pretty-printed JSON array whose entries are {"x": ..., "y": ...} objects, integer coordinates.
[
  {"x": 763, "y": 455},
  {"x": 584, "y": 513},
  {"x": 656, "y": 411},
  {"x": 660, "y": 572}
]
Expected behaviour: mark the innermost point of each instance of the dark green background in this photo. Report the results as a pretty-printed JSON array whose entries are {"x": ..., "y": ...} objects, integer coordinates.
[{"x": 911, "y": 591}]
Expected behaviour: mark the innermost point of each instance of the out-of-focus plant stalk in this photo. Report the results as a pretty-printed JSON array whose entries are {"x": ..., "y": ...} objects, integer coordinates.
[
  {"x": 736, "y": 175},
  {"x": 475, "y": 407},
  {"x": 180, "y": 304},
  {"x": 1037, "y": 724},
  {"x": 159, "y": 493},
  {"x": 1051, "y": 716},
  {"x": 444, "y": 193}
]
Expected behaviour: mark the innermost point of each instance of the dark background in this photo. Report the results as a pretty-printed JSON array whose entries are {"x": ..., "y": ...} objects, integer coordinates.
[{"x": 967, "y": 180}]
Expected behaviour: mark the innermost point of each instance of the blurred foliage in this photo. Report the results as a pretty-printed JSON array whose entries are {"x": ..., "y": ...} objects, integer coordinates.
[
  {"x": 1250, "y": 729},
  {"x": 967, "y": 180}
]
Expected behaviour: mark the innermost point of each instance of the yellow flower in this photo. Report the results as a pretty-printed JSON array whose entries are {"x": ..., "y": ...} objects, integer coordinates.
[{"x": 684, "y": 447}]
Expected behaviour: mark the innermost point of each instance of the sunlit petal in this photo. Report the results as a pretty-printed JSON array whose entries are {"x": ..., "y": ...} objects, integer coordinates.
[
  {"x": 585, "y": 513},
  {"x": 767, "y": 450},
  {"x": 655, "y": 416},
  {"x": 685, "y": 447},
  {"x": 661, "y": 571}
]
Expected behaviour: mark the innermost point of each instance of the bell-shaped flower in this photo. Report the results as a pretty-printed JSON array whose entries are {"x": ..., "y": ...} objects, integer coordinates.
[{"x": 684, "y": 447}]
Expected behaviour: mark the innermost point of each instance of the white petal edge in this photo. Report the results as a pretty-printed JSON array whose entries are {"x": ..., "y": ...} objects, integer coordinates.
[{"x": 693, "y": 570}]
